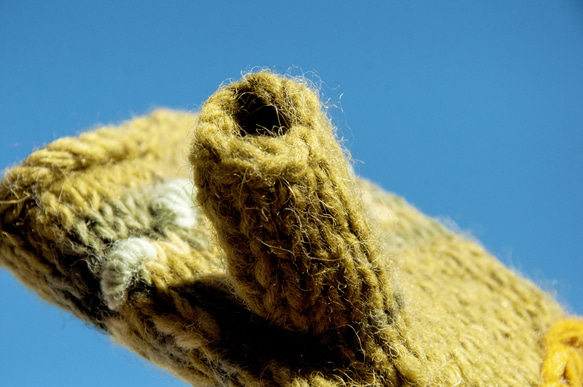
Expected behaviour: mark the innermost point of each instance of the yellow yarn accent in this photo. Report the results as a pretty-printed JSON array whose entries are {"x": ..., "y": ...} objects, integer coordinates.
[{"x": 563, "y": 364}]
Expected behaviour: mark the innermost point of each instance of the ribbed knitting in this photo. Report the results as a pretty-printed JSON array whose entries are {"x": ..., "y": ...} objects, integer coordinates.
[{"x": 290, "y": 271}]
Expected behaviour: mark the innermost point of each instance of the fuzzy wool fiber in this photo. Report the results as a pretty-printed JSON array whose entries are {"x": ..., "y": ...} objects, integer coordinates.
[{"x": 269, "y": 263}]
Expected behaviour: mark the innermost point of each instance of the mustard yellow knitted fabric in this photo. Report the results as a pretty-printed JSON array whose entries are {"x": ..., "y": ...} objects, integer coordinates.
[{"x": 254, "y": 257}]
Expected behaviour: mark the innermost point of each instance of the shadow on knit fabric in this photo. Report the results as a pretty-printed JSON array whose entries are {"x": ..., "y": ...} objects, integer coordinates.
[{"x": 248, "y": 340}]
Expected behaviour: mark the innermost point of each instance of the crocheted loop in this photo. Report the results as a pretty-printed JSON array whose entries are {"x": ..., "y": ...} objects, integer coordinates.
[{"x": 563, "y": 364}]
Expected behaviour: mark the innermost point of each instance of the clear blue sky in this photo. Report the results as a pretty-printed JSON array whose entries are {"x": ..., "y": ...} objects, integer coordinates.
[{"x": 471, "y": 110}]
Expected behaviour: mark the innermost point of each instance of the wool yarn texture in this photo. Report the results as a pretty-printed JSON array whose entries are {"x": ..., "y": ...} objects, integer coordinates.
[{"x": 253, "y": 256}]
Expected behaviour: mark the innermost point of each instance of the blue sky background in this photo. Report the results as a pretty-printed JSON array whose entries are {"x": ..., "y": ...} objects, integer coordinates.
[{"x": 471, "y": 110}]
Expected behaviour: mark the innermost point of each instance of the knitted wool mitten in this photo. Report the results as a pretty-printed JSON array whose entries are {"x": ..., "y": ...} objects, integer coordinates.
[{"x": 276, "y": 277}]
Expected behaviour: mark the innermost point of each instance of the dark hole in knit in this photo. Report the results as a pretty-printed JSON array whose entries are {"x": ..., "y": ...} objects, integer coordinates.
[{"x": 256, "y": 118}]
